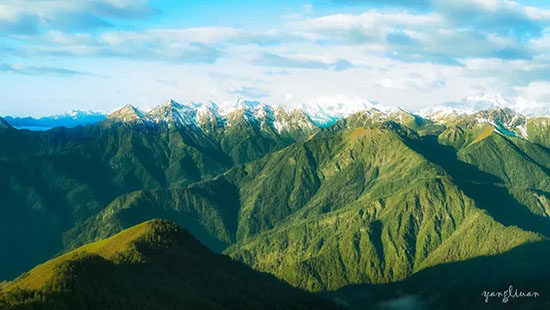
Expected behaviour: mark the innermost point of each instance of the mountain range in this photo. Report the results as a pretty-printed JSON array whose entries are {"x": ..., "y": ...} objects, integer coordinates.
[
  {"x": 323, "y": 111},
  {"x": 344, "y": 210},
  {"x": 72, "y": 118}
]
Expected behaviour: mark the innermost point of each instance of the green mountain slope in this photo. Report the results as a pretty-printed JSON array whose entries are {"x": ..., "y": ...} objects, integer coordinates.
[
  {"x": 154, "y": 265},
  {"x": 383, "y": 211},
  {"x": 538, "y": 130},
  {"x": 25, "y": 143},
  {"x": 44, "y": 195},
  {"x": 517, "y": 168},
  {"x": 360, "y": 202},
  {"x": 523, "y": 167},
  {"x": 53, "y": 180},
  {"x": 461, "y": 285},
  {"x": 209, "y": 210}
]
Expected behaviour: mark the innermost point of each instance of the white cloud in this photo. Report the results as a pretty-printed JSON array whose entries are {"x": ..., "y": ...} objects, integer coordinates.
[
  {"x": 533, "y": 98},
  {"x": 204, "y": 44},
  {"x": 369, "y": 26},
  {"x": 21, "y": 68},
  {"x": 28, "y": 16},
  {"x": 325, "y": 62},
  {"x": 395, "y": 57}
]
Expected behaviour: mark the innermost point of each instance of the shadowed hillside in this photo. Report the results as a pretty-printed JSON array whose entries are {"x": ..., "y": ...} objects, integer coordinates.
[
  {"x": 460, "y": 285},
  {"x": 53, "y": 180},
  {"x": 154, "y": 265}
]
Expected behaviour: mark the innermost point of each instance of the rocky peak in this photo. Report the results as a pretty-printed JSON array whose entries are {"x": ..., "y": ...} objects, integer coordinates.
[{"x": 128, "y": 113}]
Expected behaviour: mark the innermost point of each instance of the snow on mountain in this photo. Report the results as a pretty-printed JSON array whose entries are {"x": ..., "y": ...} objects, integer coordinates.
[
  {"x": 209, "y": 115},
  {"x": 78, "y": 114},
  {"x": 240, "y": 104},
  {"x": 279, "y": 119},
  {"x": 475, "y": 110},
  {"x": 127, "y": 113},
  {"x": 241, "y": 109},
  {"x": 172, "y": 113},
  {"x": 206, "y": 114},
  {"x": 504, "y": 120},
  {"x": 324, "y": 111},
  {"x": 508, "y": 117},
  {"x": 69, "y": 119},
  {"x": 484, "y": 102},
  {"x": 282, "y": 119},
  {"x": 480, "y": 102},
  {"x": 531, "y": 108},
  {"x": 466, "y": 106},
  {"x": 286, "y": 119}
]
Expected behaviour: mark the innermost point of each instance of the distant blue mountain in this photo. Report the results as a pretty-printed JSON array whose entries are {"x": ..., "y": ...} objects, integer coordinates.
[{"x": 70, "y": 119}]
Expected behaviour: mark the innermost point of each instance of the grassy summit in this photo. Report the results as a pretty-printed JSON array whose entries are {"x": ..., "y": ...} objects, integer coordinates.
[
  {"x": 108, "y": 249},
  {"x": 154, "y": 265}
]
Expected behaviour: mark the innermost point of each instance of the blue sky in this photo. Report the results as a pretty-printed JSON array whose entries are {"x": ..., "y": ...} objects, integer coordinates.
[{"x": 57, "y": 55}]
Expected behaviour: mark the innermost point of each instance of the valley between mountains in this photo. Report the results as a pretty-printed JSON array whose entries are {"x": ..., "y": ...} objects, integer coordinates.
[{"x": 377, "y": 205}]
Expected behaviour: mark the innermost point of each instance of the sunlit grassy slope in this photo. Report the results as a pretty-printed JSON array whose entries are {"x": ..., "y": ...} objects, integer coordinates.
[{"x": 154, "y": 265}]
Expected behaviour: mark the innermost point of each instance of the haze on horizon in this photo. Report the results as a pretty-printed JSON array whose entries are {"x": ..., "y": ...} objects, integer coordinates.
[{"x": 58, "y": 55}]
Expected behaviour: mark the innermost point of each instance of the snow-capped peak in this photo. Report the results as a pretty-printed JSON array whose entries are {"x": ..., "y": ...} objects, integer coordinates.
[
  {"x": 325, "y": 111},
  {"x": 242, "y": 105},
  {"x": 467, "y": 106},
  {"x": 531, "y": 108},
  {"x": 209, "y": 115},
  {"x": 205, "y": 108},
  {"x": 174, "y": 105},
  {"x": 480, "y": 110},
  {"x": 485, "y": 102},
  {"x": 247, "y": 104},
  {"x": 252, "y": 111},
  {"x": 127, "y": 113},
  {"x": 171, "y": 113},
  {"x": 75, "y": 114}
]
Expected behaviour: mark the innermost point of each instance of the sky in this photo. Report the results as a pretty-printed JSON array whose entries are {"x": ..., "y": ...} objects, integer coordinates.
[{"x": 58, "y": 55}]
